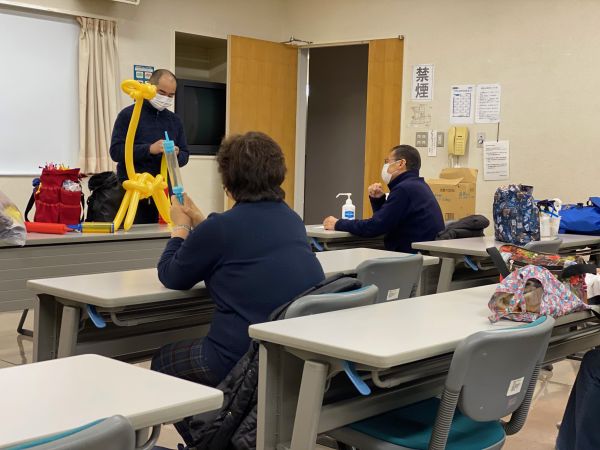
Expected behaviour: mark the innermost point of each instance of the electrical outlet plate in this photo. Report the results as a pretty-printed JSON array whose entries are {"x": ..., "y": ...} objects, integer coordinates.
[
  {"x": 440, "y": 139},
  {"x": 480, "y": 139},
  {"x": 421, "y": 139}
]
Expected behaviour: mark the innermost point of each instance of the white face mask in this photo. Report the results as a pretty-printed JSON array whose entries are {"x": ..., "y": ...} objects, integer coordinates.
[
  {"x": 161, "y": 102},
  {"x": 385, "y": 176}
]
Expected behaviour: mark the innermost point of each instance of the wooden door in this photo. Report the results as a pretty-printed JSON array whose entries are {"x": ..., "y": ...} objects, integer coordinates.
[
  {"x": 262, "y": 95},
  {"x": 384, "y": 97}
]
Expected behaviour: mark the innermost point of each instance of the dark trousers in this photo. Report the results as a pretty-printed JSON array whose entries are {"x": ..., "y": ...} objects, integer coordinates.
[
  {"x": 146, "y": 212},
  {"x": 578, "y": 428},
  {"x": 184, "y": 359}
]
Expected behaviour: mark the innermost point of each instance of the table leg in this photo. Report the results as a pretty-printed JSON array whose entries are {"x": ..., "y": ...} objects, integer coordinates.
[
  {"x": 69, "y": 329},
  {"x": 310, "y": 401},
  {"x": 46, "y": 326},
  {"x": 278, "y": 385},
  {"x": 446, "y": 272}
]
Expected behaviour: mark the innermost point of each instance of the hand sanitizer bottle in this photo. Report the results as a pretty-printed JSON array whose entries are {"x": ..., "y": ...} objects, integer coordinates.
[{"x": 348, "y": 210}]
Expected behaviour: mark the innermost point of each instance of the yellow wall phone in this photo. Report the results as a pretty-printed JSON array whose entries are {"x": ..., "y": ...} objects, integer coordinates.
[{"x": 457, "y": 140}]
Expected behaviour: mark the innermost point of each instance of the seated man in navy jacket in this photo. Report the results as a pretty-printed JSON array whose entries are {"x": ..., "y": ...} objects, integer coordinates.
[
  {"x": 155, "y": 119},
  {"x": 409, "y": 214}
]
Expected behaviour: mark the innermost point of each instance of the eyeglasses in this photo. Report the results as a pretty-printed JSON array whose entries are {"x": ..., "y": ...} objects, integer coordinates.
[{"x": 391, "y": 161}]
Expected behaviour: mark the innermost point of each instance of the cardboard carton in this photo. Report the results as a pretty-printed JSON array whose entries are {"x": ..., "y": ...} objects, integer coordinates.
[{"x": 455, "y": 191}]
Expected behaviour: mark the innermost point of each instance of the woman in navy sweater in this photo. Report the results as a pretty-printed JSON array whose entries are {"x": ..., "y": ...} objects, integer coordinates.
[{"x": 253, "y": 258}]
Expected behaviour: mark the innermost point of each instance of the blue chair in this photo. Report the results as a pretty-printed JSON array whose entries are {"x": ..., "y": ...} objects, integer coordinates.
[
  {"x": 492, "y": 375},
  {"x": 113, "y": 433}
]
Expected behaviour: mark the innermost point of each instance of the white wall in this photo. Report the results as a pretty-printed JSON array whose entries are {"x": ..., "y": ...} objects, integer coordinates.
[
  {"x": 146, "y": 35},
  {"x": 543, "y": 53}
]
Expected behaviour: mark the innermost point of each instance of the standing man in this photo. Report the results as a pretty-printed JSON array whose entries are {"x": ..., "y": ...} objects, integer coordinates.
[
  {"x": 409, "y": 214},
  {"x": 155, "y": 119}
]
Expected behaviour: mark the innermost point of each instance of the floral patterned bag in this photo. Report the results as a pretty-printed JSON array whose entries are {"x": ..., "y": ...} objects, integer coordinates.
[
  {"x": 570, "y": 270},
  {"x": 531, "y": 292}
]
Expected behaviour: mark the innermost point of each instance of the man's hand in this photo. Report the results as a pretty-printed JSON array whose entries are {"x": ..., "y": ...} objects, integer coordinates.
[
  {"x": 376, "y": 190},
  {"x": 329, "y": 223},
  {"x": 157, "y": 148},
  {"x": 177, "y": 150}
]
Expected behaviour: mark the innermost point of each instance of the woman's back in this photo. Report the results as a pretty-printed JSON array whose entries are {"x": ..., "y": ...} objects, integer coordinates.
[{"x": 253, "y": 258}]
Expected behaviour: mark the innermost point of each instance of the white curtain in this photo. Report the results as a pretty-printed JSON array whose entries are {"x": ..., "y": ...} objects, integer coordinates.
[{"x": 98, "y": 93}]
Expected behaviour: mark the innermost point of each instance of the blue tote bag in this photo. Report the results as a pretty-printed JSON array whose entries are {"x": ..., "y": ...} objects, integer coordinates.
[{"x": 581, "y": 219}]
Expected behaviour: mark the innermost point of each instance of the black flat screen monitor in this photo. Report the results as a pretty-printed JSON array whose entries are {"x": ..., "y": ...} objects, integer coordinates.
[{"x": 201, "y": 107}]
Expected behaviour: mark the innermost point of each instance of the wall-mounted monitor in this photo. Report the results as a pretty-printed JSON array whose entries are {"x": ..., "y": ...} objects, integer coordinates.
[{"x": 201, "y": 107}]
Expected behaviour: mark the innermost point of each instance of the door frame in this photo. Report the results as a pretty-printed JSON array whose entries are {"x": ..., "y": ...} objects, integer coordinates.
[{"x": 302, "y": 112}]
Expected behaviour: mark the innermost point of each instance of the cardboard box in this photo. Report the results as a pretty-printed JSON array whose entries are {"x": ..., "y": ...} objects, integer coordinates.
[{"x": 455, "y": 191}]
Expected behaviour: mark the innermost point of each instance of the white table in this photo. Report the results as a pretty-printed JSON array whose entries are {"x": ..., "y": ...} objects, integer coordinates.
[
  {"x": 453, "y": 251},
  {"x": 323, "y": 239},
  {"x": 42, "y": 399},
  {"x": 63, "y": 301},
  {"x": 414, "y": 337},
  {"x": 48, "y": 255}
]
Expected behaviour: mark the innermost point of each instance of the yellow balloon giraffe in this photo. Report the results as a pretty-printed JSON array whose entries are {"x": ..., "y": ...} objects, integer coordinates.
[{"x": 140, "y": 185}]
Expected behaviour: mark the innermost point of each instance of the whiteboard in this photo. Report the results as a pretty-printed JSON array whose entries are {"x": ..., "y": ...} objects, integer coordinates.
[{"x": 39, "y": 106}]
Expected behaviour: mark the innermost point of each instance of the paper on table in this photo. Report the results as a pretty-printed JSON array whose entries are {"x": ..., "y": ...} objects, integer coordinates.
[
  {"x": 461, "y": 103},
  {"x": 495, "y": 160},
  {"x": 488, "y": 103}
]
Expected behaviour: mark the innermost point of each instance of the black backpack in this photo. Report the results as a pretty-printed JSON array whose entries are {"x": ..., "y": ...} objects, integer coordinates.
[{"x": 105, "y": 198}]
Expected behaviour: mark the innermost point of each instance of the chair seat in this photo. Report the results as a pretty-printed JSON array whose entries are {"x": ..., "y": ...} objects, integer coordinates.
[{"x": 411, "y": 427}]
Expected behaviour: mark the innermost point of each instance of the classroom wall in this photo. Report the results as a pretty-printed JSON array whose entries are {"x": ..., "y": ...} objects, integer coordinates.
[
  {"x": 543, "y": 53},
  {"x": 146, "y": 35}
]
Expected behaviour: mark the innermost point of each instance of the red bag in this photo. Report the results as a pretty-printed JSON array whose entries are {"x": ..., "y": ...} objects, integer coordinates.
[{"x": 54, "y": 203}]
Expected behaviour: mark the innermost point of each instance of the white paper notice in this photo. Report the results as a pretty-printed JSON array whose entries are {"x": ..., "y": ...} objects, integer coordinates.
[
  {"x": 422, "y": 87},
  {"x": 495, "y": 160},
  {"x": 488, "y": 103},
  {"x": 462, "y": 98},
  {"x": 432, "y": 143}
]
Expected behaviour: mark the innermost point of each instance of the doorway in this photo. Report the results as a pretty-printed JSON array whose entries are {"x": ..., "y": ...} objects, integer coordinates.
[{"x": 335, "y": 129}]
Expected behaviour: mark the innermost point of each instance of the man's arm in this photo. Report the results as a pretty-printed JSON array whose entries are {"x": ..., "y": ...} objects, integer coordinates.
[
  {"x": 391, "y": 212},
  {"x": 141, "y": 152},
  {"x": 377, "y": 202}
]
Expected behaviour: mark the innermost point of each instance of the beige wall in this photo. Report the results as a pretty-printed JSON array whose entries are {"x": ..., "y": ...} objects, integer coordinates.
[
  {"x": 146, "y": 35},
  {"x": 543, "y": 53}
]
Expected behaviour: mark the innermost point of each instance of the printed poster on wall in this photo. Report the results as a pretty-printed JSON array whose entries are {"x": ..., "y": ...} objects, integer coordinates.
[
  {"x": 496, "y": 160},
  {"x": 488, "y": 103},
  {"x": 142, "y": 73},
  {"x": 462, "y": 101},
  {"x": 422, "y": 83}
]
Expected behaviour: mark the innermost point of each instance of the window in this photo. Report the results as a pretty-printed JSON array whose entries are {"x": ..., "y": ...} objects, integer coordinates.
[{"x": 39, "y": 97}]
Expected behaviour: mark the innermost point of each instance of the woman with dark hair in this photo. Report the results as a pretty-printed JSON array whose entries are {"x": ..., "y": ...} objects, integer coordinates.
[{"x": 252, "y": 258}]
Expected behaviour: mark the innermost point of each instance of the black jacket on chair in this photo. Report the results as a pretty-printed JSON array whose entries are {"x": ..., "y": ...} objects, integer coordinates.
[{"x": 470, "y": 226}]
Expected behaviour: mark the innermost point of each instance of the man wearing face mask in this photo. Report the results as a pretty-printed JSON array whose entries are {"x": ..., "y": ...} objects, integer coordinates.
[
  {"x": 409, "y": 214},
  {"x": 155, "y": 119}
]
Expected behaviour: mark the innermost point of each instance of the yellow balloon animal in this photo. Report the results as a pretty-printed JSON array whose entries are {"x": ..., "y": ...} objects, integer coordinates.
[{"x": 140, "y": 186}]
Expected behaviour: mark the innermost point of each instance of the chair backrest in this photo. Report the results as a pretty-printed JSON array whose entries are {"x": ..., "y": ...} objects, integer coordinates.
[
  {"x": 114, "y": 433},
  {"x": 493, "y": 369},
  {"x": 396, "y": 277},
  {"x": 549, "y": 246},
  {"x": 321, "y": 303}
]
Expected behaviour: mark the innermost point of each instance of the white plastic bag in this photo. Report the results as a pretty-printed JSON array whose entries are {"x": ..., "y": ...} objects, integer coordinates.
[{"x": 12, "y": 224}]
